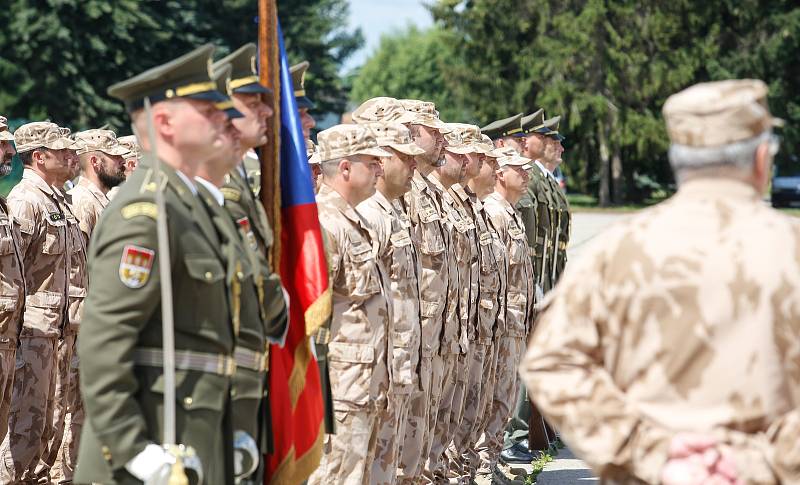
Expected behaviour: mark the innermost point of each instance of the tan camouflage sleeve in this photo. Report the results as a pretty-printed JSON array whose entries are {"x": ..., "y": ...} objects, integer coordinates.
[
  {"x": 25, "y": 215},
  {"x": 563, "y": 370}
]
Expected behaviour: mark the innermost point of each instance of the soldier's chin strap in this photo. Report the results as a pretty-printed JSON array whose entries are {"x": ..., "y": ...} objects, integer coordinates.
[{"x": 185, "y": 457}]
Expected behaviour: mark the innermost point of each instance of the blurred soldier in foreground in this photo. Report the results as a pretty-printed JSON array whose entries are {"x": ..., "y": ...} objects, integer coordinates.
[
  {"x": 399, "y": 256},
  {"x": 356, "y": 338},
  {"x": 668, "y": 351},
  {"x": 12, "y": 283},
  {"x": 46, "y": 245},
  {"x": 121, "y": 345},
  {"x": 245, "y": 291}
]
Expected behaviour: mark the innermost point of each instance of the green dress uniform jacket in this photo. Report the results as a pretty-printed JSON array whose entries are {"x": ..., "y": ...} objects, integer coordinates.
[
  {"x": 121, "y": 377},
  {"x": 244, "y": 281}
]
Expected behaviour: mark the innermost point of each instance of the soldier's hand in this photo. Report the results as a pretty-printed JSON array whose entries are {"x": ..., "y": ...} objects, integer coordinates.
[
  {"x": 152, "y": 465},
  {"x": 695, "y": 459}
]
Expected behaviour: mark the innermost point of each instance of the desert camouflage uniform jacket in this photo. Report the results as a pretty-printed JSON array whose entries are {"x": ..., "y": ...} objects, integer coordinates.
[
  {"x": 12, "y": 279},
  {"x": 686, "y": 317},
  {"x": 88, "y": 202}
]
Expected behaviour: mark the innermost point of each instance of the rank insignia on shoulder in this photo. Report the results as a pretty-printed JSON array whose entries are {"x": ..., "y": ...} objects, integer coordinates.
[
  {"x": 147, "y": 209},
  {"x": 135, "y": 265},
  {"x": 56, "y": 216},
  {"x": 231, "y": 194}
]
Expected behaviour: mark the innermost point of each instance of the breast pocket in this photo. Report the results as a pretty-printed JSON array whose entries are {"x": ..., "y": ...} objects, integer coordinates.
[
  {"x": 432, "y": 242},
  {"x": 402, "y": 259},
  {"x": 519, "y": 246},
  {"x": 361, "y": 272},
  {"x": 55, "y": 236}
]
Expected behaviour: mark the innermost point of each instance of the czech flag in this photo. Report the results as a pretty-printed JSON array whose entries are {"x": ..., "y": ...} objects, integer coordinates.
[{"x": 294, "y": 381}]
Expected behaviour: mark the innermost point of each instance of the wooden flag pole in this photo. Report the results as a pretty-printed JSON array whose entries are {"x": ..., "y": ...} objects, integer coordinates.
[{"x": 269, "y": 59}]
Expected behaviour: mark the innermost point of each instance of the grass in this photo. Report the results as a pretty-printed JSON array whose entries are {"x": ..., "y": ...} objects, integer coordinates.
[{"x": 539, "y": 463}]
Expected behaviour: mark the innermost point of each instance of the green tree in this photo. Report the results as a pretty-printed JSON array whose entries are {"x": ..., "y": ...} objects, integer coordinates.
[
  {"x": 410, "y": 64},
  {"x": 61, "y": 55},
  {"x": 607, "y": 68}
]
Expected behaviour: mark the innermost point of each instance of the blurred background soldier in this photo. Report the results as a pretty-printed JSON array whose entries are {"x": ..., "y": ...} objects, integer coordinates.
[
  {"x": 356, "y": 339},
  {"x": 131, "y": 159},
  {"x": 639, "y": 342},
  {"x": 103, "y": 168},
  {"x": 12, "y": 283},
  {"x": 304, "y": 103}
]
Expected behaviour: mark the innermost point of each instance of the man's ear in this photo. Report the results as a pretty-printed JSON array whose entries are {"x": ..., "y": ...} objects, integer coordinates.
[
  {"x": 344, "y": 168},
  {"x": 762, "y": 166}
]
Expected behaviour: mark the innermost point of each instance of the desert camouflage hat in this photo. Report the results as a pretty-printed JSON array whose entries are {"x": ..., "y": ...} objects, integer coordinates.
[
  {"x": 244, "y": 70},
  {"x": 502, "y": 128},
  {"x": 346, "y": 140},
  {"x": 508, "y": 157},
  {"x": 718, "y": 113},
  {"x": 132, "y": 145},
  {"x": 396, "y": 136},
  {"x": 425, "y": 114},
  {"x": 188, "y": 76},
  {"x": 43, "y": 134},
  {"x": 5, "y": 135},
  {"x": 222, "y": 78},
  {"x": 486, "y": 144},
  {"x": 471, "y": 138},
  {"x": 298, "y": 72},
  {"x": 310, "y": 147},
  {"x": 99, "y": 141},
  {"x": 383, "y": 109}
]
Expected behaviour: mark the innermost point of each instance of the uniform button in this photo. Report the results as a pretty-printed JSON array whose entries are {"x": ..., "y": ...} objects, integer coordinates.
[
  {"x": 240, "y": 275},
  {"x": 187, "y": 401},
  {"x": 209, "y": 275},
  {"x": 233, "y": 392},
  {"x": 106, "y": 453}
]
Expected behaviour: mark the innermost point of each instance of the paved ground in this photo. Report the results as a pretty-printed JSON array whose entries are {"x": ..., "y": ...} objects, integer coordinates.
[{"x": 565, "y": 469}]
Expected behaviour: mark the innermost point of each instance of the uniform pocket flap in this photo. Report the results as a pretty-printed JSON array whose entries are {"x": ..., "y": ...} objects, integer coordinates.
[
  {"x": 402, "y": 339},
  {"x": 204, "y": 268},
  {"x": 487, "y": 303},
  {"x": 355, "y": 353},
  {"x": 516, "y": 299},
  {"x": 44, "y": 299},
  {"x": 77, "y": 292},
  {"x": 7, "y": 304},
  {"x": 428, "y": 309}
]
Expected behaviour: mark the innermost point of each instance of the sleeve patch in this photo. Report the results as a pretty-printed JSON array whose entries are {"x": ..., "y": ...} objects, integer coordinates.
[
  {"x": 147, "y": 209},
  {"x": 135, "y": 266}
]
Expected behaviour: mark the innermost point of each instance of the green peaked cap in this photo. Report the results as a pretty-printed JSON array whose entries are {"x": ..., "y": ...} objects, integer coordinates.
[
  {"x": 505, "y": 127},
  {"x": 188, "y": 76},
  {"x": 244, "y": 72}
]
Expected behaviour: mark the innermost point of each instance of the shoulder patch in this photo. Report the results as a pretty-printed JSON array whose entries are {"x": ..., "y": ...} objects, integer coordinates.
[
  {"x": 135, "y": 266},
  {"x": 231, "y": 194},
  {"x": 147, "y": 209}
]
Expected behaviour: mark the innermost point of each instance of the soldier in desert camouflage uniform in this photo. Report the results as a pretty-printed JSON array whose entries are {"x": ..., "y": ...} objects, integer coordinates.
[
  {"x": 684, "y": 318},
  {"x": 58, "y": 461},
  {"x": 12, "y": 283},
  {"x": 477, "y": 301},
  {"x": 397, "y": 251},
  {"x": 103, "y": 165},
  {"x": 46, "y": 245},
  {"x": 511, "y": 184},
  {"x": 356, "y": 338}
]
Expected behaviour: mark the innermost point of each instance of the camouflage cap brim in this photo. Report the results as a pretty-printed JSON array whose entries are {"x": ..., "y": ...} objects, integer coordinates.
[
  {"x": 431, "y": 122},
  {"x": 6, "y": 135},
  {"x": 408, "y": 149},
  {"x": 460, "y": 149}
]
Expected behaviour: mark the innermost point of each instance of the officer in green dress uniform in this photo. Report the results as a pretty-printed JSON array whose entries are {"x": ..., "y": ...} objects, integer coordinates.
[
  {"x": 121, "y": 346},
  {"x": 249, "y": 98},
  {"x": 564, "y": 217}
]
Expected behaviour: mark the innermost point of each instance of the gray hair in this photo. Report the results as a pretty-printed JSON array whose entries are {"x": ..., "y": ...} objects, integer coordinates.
[
  {"x": 330, "y": 168},
  {"x": 739, "y": 155}
]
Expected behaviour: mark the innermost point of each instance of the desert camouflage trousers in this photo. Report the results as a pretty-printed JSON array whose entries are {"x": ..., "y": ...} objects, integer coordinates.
[
  {"x": 506, "y": 386},
  {"x": 30, "y": 419},
  {"x": 410, "y": 461},
  {"x": 477, "y": 381},
  {"x": 63, "y": 449},
  {"x": 443, "y": 390},
  {"x": 348, "y": 455},
  {"x": 392, "y": 422},
  {"x": 7, "y": 364}
]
